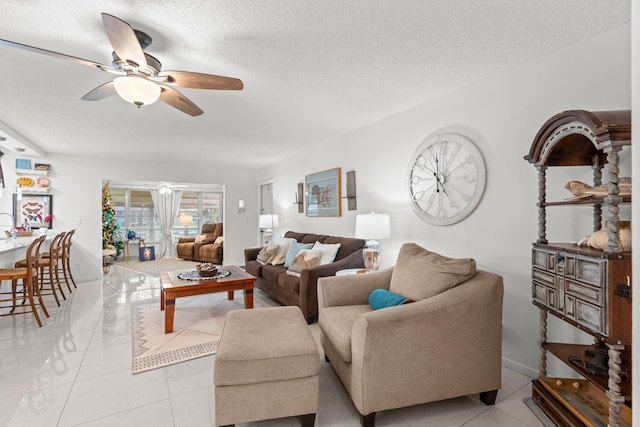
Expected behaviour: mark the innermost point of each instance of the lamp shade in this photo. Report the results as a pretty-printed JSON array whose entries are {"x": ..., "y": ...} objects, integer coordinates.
[
  {"x": 185, "y": 219},
  {"x": 137, "y": 90},
  {"x": 373, "y": 226},
  {"x": 268, "y": 221}
]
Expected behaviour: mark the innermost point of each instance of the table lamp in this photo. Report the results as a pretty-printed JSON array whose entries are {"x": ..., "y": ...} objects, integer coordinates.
[
  {"x": 266, "y": 223},
  {"x": 185, "y": 220},
  {"x": 371, "y": 227}
]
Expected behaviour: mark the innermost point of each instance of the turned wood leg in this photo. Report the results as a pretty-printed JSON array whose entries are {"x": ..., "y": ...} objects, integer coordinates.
[
  {"x": 307, "y": 420},
  {"x": 368, "y": 420},
  {"x": 489, "y": 397}
]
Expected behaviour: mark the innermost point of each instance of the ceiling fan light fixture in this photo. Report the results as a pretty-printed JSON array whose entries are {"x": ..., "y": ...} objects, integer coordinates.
[{"x": 137, "y": 90}]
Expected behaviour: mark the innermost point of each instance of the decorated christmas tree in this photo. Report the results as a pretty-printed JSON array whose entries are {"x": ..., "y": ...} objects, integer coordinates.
[{"x": 111, "y": 238}]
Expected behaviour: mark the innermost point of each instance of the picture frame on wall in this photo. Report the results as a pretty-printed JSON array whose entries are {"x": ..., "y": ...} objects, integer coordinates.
[
  {"x": 322, "y": 191},
  {"x": 34, "y": 208}
]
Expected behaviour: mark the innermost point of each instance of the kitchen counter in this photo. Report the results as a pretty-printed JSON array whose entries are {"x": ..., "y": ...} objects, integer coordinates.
[{"x": 12, "y": 250}]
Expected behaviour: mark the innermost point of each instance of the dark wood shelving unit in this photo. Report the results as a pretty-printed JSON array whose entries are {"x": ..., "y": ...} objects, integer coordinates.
[{"x": 585, "y": 287}]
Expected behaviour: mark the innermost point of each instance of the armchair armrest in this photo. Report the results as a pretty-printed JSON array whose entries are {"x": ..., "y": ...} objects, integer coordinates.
[
  {"x": 351, "y": 289},
  {"x": 251, "y": 254},
  {"x": 186, "y": 240}
]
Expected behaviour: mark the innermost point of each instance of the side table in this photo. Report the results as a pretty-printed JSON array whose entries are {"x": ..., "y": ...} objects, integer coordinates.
[{"x": 141, "y": 244}]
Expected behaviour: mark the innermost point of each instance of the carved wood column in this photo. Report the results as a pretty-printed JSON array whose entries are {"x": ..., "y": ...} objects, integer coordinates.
[
  {"x": 542, "y": 344},
  {"x": 613, "y": 200},
  {"x": 597, "y": 208},
  {"x": 614, "y": 394},
  {"x": 542, "y": 212}
]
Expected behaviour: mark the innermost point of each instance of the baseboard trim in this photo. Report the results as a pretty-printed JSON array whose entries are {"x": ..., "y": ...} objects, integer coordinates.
[{"x": 519, "y": 367}]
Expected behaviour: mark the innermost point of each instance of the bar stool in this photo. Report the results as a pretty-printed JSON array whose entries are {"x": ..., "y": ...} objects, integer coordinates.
[
  {"x": 30, "y": 288},
  {"x": 66, "y": 256},
  {"x": 48, "y": 267}
]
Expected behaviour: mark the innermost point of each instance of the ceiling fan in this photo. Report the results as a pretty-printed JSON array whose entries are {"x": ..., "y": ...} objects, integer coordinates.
[
  {"x": 140, "y": 80},
  {"x": 167, "y": 187}
]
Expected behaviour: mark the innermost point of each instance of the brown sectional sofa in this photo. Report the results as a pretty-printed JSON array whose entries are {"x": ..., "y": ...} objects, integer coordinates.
[
  {"x": 202, "y": 247},
  {"x": 302, "y": 291}
]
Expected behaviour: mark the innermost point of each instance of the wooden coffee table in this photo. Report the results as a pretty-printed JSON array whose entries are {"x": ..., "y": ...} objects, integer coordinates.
[{"x": 172, "y": 287}]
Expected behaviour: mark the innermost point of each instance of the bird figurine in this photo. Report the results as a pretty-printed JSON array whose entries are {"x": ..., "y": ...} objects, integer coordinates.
[{"x": 580, "y": 190}]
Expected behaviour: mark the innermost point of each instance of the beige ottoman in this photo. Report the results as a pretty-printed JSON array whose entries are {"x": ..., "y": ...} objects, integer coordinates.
[{"x": 267, "y": 366}]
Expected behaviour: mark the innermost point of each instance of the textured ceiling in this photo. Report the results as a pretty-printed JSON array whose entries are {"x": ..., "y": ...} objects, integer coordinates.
[{"x": 312, "y": 70}]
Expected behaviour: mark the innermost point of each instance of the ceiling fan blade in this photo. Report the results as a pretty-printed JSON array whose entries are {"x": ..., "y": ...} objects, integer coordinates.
[
  {"x": 201, "y": 81},
  {"x": 101, "y": 92},
  {"x": 124, "y": 40},
  {"x": 53, "y": 54},
  {"x": 179, "y": 101}
]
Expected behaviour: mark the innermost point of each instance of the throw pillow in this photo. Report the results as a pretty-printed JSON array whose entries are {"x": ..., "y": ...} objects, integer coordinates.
[
  {"x": 219, "y": 240},
  {"x": 294, "y": 249},
  {"x": 267, "y": 254},
  {"x": 329, "y": 251},
  {"x": 205, "y": 238},
  {"x": 306, "y": 258},
  {"x": 420, "y": 274},
  {"x": 382, "y": 298},
  {"x": 283, "y": 246}
]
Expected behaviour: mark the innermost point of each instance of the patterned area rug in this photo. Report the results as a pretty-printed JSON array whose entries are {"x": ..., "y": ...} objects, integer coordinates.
[
  {"x": 154, "y": 268},
  {"x": 197, "y": 328}
]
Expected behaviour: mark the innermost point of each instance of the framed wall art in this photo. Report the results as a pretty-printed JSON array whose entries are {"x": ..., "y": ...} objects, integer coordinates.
[
  {"x": 322, "y": 191},
  {"x": 35, "y": 210}
]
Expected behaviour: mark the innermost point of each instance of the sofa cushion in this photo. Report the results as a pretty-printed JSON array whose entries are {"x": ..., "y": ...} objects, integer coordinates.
[
  {"x": 289, "y": 282},
  {"x": 306, "y": 258},
  {"x": 382, "y": 298},
  {"x": 270, "y": 272},
  {"x": 219, "y": 240},
  {"x": 420, "y": 274},
  {"x": 294, "y": 249},
  {"x": 283, "y": 246},
  {"x": 347, "y": 245},
  {"x": 254, "y": 268},
  {"x": 329, "y": 251},
  {"x": 208, "y": 229},
  {"x": 205, "y": 238},
  {"x": 312, "y": 238},
  {"x": 267, "y": 254},
  {"x": 336, "y": 323},
  {"x": 218, "y": 230}
]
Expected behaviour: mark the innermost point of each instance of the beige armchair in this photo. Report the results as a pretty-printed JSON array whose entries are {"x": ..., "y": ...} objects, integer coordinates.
[{"x": 438, "y": 347}]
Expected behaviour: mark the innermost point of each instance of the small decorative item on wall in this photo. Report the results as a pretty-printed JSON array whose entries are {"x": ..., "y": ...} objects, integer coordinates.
[
  {"x": 298, "y": 198},
  {"x": 352, "y": 205},
  {"x": 23, "y": 164},
  {"x": 35, "y": 210},
  {"x": 42, "y": 166},
  {"x": 323, "y": 193}
]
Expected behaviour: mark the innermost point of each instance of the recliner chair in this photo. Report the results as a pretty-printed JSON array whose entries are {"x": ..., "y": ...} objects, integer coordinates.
[{"x": 203, "y": 247}]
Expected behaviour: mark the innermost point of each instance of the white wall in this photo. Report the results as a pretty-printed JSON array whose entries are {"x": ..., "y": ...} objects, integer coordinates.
[
  {"x": 502, "y": 114},
  {"x": 76, "y": 186}
]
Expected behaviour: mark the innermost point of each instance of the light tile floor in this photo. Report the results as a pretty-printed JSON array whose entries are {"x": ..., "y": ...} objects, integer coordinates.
[{"x": 76, "y": 371}]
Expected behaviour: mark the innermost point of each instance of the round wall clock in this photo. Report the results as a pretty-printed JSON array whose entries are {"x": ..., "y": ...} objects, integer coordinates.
[{"x": 446, "y": 178}]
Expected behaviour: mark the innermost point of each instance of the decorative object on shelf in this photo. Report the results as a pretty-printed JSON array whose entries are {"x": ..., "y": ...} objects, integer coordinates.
[
  {"x": 131, "y": 234},
  {"x": 19, "y": 233},
  {"x": 323, "y": 193},
  {"x": 600, "y": 239},
  {"x": 24, "y": 181},
  {"x": 185, "y": 220},
  {"x": 580, "y": 190},
  {"x": 446, "y": 178},
  {"x": 42, "y": 167},
  {"x": 42, "y": 182},
  {"x": 241, "y": 208},
  {"x": 23, "y": 164},
  {"x": 372, "y": 227},
  {"x": 266, "y": 224},
  {"x": 352, "y": 205},
  {"x": 32, "y": 209},
  {"x": 298, "y": 198}
]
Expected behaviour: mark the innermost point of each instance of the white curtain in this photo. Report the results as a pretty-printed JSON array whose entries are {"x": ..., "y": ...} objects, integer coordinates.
[{"x": 166, "y": 206}]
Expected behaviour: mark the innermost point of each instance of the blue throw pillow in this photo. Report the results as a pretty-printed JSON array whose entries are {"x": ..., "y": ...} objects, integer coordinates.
[
  {"x": 294, "y": 248},
  {"x": 381, "y": 298}
]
